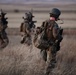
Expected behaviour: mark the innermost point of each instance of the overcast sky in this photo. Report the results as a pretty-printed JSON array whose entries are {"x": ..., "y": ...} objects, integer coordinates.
[{"x": 24, "y": 1}]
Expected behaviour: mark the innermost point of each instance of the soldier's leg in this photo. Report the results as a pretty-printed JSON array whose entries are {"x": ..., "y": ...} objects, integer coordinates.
[
  {"x": 1, "y": 39},
  {"x": 4, "y": 34},
  {"x": 44, "y": 55},
  {"x": 49, "y": 58},
  {"x": 4, "y": 40},
  {"x": 29, "y": 40},
  {"x": 50, "y": 62},
  {"x": 23, "y": 37},
  {"x": 49, "y": 55},
  {"x": 22, "y": 40},
  {"x": 49, "y": 69}
]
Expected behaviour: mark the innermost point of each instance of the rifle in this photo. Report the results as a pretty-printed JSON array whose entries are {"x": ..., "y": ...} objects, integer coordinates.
[
  {"x": 34, "y": 21},
  {"x": 61, "y": 31}
]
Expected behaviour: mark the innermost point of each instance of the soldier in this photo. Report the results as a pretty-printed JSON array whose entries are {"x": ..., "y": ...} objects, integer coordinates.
[
  {"x": 22, "y": 29},
  {"x": 56, "y": 38},
  {"x": 5, "y": 22},
  {"x": 28, "y": 18}
]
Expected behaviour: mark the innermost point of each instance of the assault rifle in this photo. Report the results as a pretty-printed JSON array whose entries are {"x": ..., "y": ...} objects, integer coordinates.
[{"x": 61, "y": 31}]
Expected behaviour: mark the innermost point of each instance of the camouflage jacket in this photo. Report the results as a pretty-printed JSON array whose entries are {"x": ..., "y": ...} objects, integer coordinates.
[
  {"x": 4, "y": 23},
  {"x": 52, "y": 26}
]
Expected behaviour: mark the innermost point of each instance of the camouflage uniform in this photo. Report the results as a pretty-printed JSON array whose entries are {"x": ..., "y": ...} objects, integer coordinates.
[
  {"x": 4, "y": 23},
  {"x": 54, "y": 41},
  {"x": 29, "y": 23},
  {"x": 23, "y": 31}
]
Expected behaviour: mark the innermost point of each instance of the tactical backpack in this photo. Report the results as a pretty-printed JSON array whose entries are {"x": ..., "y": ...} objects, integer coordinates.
[{"x": 40, "y": 41}]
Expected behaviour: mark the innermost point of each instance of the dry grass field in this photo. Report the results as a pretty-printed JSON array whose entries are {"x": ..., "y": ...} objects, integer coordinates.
[{"x": 20, "y": 59}]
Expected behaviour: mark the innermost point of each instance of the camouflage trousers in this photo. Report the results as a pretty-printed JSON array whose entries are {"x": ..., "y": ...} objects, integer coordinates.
[
  {"x": 4, "y": 35},
  {"x": 25, "y": 38},
  {"x": 50, "y": 57},
  {"x": 3, "y": 39}
]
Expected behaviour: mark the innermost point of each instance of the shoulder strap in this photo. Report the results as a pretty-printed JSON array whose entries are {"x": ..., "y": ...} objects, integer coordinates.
[{"x": 51, "y": 24}]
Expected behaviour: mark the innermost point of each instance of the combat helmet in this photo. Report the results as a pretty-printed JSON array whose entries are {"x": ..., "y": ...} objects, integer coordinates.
[
  {"x": 55, "y": 12},
  {"x": 2, "y": 13},
  {"x": 30, "y": 16},
  {"x": 26, "y": 17}
]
